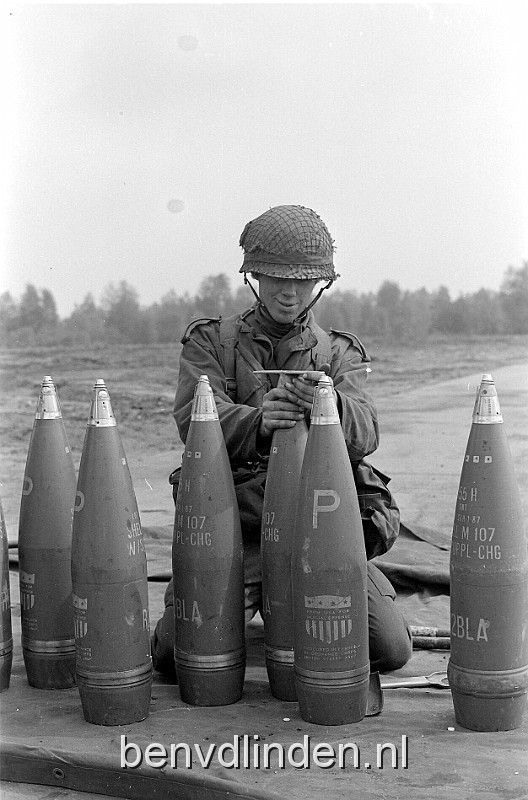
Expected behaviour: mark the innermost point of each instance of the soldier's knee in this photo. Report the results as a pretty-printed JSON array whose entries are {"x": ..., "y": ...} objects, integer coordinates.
[{"x": 392, "y": 652}]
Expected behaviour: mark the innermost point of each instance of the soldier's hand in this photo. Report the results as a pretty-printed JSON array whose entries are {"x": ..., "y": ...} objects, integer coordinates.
[
  {"x": 281, "y": 408},
  {"x": 303, "y": 387}
]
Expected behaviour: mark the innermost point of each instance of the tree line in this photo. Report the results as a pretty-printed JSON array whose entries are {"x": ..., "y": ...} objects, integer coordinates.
[{"x": 388, "y": 314}]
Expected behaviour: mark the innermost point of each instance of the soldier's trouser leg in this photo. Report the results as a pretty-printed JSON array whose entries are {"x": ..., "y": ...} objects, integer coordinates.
[{"x": 390, "y": 642}]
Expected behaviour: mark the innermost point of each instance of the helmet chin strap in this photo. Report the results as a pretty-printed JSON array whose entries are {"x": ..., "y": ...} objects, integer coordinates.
[
  {"x": 316, "y": 298},
  {"x": 246, "y": 281},
  {"x": 305, "y": 311}
]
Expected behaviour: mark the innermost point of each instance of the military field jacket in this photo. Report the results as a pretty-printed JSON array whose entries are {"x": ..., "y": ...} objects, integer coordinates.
[{"x": 306, "y": 347}]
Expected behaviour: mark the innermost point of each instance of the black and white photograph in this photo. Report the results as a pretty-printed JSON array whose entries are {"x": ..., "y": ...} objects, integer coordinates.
[{"x": 263, "y": 401}]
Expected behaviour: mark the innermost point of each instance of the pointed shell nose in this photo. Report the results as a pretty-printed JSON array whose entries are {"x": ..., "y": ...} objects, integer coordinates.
[
  {"x": 101, "y": 413},
  {"x": 487, "y": 409},
  {"x": 48, "y": 406},
  {"x": 204, "y": 406},
  {"x": 324, "y": 409}
]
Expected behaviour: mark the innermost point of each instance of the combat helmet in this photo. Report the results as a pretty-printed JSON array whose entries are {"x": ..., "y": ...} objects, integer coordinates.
[{"x": 288, "y": 242}]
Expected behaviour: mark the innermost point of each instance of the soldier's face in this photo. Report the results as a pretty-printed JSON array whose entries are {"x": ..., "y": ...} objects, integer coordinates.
[{"x": 285, "y": 298}]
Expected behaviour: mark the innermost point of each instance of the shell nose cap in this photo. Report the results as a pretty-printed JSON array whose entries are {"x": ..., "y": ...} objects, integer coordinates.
[
  {"x": 486, "y": 410},
  {"x": 101, "y": 413},
  {"x": 204, "y": 406},
  {"x": 324, "y": 408},
  {"x": 48, "y": 405}
]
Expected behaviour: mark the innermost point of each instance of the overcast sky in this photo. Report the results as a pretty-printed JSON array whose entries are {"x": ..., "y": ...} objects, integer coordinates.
[{"x": 139, "y": 140}]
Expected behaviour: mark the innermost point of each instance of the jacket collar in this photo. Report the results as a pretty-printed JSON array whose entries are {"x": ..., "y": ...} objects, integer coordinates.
[{"x": 302, "y": 336}]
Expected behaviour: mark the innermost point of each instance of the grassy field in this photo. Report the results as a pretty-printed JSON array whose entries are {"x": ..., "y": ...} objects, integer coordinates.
[{"x": 142, "y": 380}]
